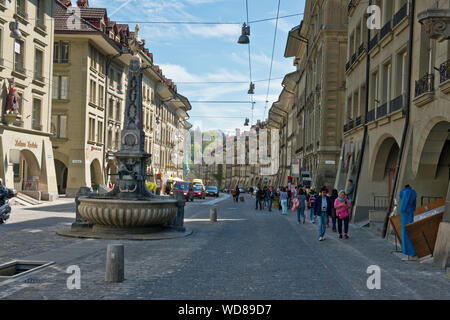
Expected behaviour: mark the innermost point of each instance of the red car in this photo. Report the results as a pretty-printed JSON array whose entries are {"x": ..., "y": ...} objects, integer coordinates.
[
  {"x": 187, "y": 189},
  {"x": 199, "y": 192}
]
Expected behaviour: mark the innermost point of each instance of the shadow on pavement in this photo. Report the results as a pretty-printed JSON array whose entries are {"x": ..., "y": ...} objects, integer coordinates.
[
  {"x": 66, "y": 207},
  {"x": 34, "y": 223}
]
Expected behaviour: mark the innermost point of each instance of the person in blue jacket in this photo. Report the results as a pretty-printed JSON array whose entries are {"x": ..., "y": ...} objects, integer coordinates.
[
  {"x": 322, "y": 209},
  {"x": 407, "y": 207}
]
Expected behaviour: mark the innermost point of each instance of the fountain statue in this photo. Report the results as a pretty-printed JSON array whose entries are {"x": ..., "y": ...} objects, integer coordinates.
[{"x": 130, "y": 209}]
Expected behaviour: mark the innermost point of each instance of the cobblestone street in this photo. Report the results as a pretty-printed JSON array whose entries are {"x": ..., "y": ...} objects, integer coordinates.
[{"x": 247, "y": 254}]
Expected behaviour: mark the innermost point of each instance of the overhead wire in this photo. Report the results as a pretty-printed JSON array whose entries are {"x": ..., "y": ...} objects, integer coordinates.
[
  {"x": 249, "y": 62},
  {"x": 271, "y": 60}
]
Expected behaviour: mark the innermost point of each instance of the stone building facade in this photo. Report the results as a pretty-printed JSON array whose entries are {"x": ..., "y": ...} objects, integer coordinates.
[
  {"x": 25, "y": 147},
  {"x": 397, "y": 124},
  {"x": 309, "y": 110},
  {"x": 90, "y": 81}
]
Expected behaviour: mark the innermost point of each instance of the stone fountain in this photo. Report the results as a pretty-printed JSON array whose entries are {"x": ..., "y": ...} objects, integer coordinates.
[{"x": 130, "y": 210}]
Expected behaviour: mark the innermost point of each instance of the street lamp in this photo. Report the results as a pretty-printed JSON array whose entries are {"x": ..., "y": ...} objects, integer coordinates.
[
  {"x": 244, "y": 39},
  {"x": 251, "y": 90}
]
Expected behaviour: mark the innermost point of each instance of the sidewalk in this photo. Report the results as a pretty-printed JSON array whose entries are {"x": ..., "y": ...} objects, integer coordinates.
[{"x": 247, "y": 254}]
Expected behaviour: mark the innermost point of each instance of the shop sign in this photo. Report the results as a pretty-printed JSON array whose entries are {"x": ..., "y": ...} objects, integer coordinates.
[
  {"x": 28, "y": 144},
  {"x": 330, "y": 162},
  {"x": 77, "y": 161}
]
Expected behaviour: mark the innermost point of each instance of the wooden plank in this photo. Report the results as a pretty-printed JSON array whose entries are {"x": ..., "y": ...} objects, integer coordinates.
[
  {"x": 396, "y": 220},
  {"x": 423, "y": 234}
]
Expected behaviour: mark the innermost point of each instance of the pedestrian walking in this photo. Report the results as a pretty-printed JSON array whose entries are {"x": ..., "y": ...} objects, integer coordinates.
[
  {"x": 301, "y": 206},
  {"x": 333, "y": 197},
  {"x": 311, "y": 205},
  {"x": 289, "y": 192},
  {"x": 342, "y": 205},
  {"x": 259, "y": 198},
  {"x": 322, "y": 209},
  {"x": 407, "y": 207},
  {"x": 284, "y": 200},
  {"x": 237, "y": 193},
  {"x": 269, "y": 198}
]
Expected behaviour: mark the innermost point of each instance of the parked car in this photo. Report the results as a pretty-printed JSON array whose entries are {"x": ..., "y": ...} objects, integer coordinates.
[
  {"x": 199, "y": 192},
  {"x": 241, "y": 190},
  {"x": 212, "y": 191},
  {"x": 187, "y": 188}
]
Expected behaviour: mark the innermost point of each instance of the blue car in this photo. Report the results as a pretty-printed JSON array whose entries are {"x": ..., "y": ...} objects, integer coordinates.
[{"x": 212, "y": 191}]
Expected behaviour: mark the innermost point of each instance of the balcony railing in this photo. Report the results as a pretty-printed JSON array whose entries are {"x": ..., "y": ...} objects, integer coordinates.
[
  {"x": 351, "y": 5},
  {"x": 382, "y": 110},
  {"x": 373, "y": 42},
  {"x": 361, "y": 49},
  {"x": 358, "y": 121},
  {"x": 354, "y": 58},
  {"x": 351, "y": 124},
  {"x": 346, "y": 128},
  {"x": 385, "y": 30},
  {"x": 402, "y": 13},
  {"x": 380, "y": 202},
  {"x": 370, "y": 115},
  {"x": 347, "y": 66},
  {"x": 425, "y": 84},
  {"x": 397, "y": 103},
  {"x": 444, "y": 71}
]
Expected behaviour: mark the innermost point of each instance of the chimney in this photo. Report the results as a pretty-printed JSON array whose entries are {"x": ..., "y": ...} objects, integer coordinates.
[{"x": 83, "y": 3}]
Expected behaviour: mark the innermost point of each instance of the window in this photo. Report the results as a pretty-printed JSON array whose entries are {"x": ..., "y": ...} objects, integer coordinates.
[
  {"x": 61, "y": 52},
  {"x": 56, "y": 52},
  {"x": 101, "y": 63},
  {"x": 386, "y": 84},
  {"x": 111, "y": 78},
  {"x": 1, "y": 46},
  {"x": 111, "y": 108},
  {"x": 93, "y": 93},
  {"x": 36, "y": 122},
  {"x": 118, "y": 110},
  {"x": 40, "y": 10},
  {"x": 59, "y": 126},
  {"x": 60, "y": 87},
  {"x": 373, "y": 103},
  {"x": 100, "y": 132},
  {"x": 101, "y": 98},
  {"x": 21, "y": 8},
  {"x": 401, "y": 74},
  {"x": 91, "y": 137},
  {"x": 19, "y": 56},
  {"x": 38, "y": 60}
]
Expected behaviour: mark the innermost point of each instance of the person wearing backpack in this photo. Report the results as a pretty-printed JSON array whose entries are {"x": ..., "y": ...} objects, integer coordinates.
[
  {"x": 342, "y": 206},
  {"x": 311, "y": 203},
  {"x": 301, "y": 198}
]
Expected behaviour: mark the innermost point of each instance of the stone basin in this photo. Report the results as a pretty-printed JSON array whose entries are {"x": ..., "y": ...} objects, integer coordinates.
[{"x": 127, "y": 215}]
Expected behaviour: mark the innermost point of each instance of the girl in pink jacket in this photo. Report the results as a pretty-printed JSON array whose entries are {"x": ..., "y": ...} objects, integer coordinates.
[{"x": 342, "y": 206}]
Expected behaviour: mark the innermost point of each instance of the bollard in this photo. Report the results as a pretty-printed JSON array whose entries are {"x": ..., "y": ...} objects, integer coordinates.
[
  {"x": 115, "y": 263},
  {"x": 213, "y": 214},
  {"x": 178, "y": 220}
]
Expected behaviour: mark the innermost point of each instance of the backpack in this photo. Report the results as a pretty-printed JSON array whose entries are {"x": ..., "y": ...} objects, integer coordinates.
[
  {"x": 295, "y": 204},
  {"x": 311, "y": 201}
]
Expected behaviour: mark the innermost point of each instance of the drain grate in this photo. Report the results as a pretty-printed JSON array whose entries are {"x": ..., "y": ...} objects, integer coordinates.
[{"x": 18, "y": 268}]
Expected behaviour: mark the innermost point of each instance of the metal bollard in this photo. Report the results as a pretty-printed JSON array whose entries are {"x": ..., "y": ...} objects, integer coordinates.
[
  {"x": 115, "y": 263},
  {"x": 213, "y": 214}
]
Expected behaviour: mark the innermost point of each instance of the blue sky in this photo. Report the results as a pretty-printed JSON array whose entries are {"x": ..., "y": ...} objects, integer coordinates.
[{"x": 193, "y": 53}]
